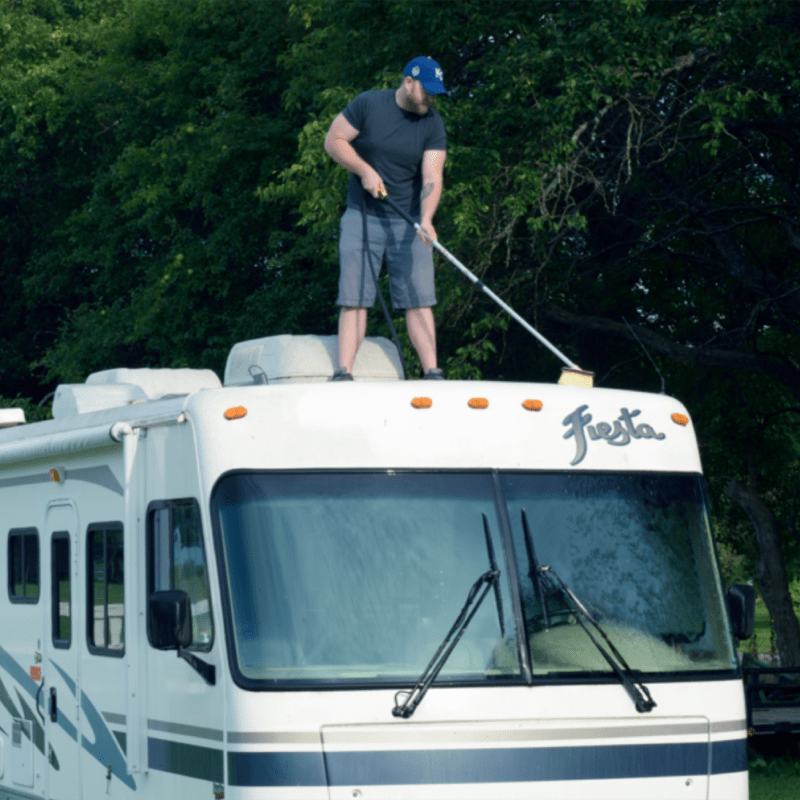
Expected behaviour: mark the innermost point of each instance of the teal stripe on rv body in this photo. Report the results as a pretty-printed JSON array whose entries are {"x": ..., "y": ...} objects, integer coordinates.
[
  {"x": 104, "y": 747},
  {"x": 7, "y": 702}
]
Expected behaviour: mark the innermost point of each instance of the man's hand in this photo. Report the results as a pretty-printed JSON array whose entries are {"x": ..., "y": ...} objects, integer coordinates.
[
  {"x": 372, "y": 182},
  {"x": 427, "y": 227}
]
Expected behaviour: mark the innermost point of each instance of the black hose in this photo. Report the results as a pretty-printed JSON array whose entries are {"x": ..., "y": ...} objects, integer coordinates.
[{"x": 378, "y": 288}]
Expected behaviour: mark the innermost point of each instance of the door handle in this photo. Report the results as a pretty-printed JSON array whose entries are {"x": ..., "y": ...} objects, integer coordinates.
[{"x": 53, "y": 705}]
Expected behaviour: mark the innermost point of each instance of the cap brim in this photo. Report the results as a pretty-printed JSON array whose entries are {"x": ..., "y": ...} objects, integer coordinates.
[{"x": 434, "y": 88}]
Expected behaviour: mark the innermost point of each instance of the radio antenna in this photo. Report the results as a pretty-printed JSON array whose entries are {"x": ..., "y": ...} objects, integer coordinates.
[{"x": 647, "y": 353}]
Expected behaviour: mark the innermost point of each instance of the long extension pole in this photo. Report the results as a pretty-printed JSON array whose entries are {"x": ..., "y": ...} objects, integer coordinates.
[{"x": 481, "y": 285}]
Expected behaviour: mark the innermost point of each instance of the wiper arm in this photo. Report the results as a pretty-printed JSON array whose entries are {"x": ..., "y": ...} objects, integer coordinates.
[
  {"x": 636, "y": 690},
  {"x": 493, "y": 564},
  {"x": 492, "y": 577},
  {"x": 533, "y": 568},
  {"x": 413, "y": 698}
]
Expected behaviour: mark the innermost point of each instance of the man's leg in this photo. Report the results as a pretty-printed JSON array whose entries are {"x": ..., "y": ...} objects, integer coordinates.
[
  {"x": 352, "y": 330},
  {"x": 422, "y": 331}
]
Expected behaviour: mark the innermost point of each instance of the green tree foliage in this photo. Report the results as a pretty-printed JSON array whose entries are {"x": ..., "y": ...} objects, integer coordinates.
[
  {"x": 620, "y": 171},
  {"x": 44, "y": 173},
  {"x": 616, "y": 170},
  {"x": 153, "y": 248}
]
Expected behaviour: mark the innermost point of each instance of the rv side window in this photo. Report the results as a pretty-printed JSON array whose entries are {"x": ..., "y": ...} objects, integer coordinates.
[
  {"x": 176, "y": 560},
  {"x": 23, "y": 565},
  {"x": 62, "y": 590},
  {"x": 105, "y": 569}
]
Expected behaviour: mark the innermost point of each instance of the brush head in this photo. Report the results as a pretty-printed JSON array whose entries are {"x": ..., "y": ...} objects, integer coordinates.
[{"x": 575, "y": 376}]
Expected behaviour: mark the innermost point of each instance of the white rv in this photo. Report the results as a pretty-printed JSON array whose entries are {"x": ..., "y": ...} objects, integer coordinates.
[{"x": 283, "y": 587}]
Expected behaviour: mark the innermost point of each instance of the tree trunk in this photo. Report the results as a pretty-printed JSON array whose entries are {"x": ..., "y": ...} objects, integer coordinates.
[{"x": 771, "y": 572}]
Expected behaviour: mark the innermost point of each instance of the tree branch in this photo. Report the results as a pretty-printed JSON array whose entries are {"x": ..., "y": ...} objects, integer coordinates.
[{"x": 696, "y": 356}]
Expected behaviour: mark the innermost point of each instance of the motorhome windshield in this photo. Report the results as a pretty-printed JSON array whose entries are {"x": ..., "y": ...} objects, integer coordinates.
[
  {"x": 636, "y": 549},
  {"x": 355, "y": 577}
]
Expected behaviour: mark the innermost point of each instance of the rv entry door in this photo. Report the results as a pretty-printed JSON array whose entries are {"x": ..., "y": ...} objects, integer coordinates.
[{"x": 59, "y": 700}]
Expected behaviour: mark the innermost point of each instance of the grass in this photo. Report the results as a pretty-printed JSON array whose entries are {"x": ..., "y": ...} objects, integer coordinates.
[
  {"x": 774, "y": 778},
  {"x": 763, "y": 639}
]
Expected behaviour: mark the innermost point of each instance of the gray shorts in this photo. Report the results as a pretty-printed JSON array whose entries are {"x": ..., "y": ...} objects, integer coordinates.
[{"x": 409, "y": 261}]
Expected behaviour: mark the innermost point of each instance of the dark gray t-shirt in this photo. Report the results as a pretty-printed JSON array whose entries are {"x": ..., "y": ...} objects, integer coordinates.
[{"x": 392, "y": 141}]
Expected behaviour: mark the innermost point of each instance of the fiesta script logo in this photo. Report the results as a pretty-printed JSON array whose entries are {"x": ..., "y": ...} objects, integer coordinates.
[{"x": 619, "y": 434}]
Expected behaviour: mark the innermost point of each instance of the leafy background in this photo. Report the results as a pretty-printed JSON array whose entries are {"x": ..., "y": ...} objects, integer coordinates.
[{"x": 619, "y": 171}]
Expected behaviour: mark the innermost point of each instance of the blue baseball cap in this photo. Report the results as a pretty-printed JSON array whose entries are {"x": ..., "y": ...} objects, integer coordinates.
[{"x": 428, "y": 73}]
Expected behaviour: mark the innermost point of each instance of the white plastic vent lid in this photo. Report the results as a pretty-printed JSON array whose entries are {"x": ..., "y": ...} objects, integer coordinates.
[
  {"x": 113, "y": 388},
  {"x": 308, "y": 359},
  {"x": 9, "y": 417},
  {"x": 158, "y": 383},
  {"x": 78, "y": 398}
]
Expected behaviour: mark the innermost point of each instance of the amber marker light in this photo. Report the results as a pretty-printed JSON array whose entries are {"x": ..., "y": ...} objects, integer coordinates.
[
  {"x": 680, "y": 419},
  {"x": 237, "y": 412},
  {"x": 421, "y": 402},
  {"x": 533, "y": 405},
  {"x": 55, "y": 476},
  {"x": 478, "y": 402}
]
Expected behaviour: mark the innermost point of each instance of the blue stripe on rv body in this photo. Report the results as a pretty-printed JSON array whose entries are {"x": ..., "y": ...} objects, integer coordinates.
[
  {"x": 728, "y": 756},
  {"x": 499, "y": 765},
  {"x": 277, "y": 769},
  {"x": 194, "y": 761}
]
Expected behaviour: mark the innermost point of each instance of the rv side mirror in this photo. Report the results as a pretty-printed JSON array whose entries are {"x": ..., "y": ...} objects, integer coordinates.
[
  {"x": 170, "y": 619},
  {"x": 742, "y": 609}
]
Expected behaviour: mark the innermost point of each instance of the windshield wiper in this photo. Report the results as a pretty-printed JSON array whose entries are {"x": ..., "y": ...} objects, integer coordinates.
[
  {"x": 487, "y": 580},
  {"x": 493, "y": 564},
  {"x": 636, "y": 690},
  {"x": 533, "y": 568}
]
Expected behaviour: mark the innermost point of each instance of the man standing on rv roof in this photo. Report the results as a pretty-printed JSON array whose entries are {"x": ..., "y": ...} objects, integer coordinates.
[{"x": 394, "y": 143}]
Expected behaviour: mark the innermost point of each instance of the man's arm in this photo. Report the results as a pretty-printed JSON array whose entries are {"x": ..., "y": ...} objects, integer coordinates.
[
  {"x": 432, "y": 183},
  {"x": 338, "y": 147}
]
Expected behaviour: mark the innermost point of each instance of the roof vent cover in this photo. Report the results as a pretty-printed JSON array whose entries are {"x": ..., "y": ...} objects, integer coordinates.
[
  {"x": 113, "y": 388},
  {"x": 9, "y": 417},
  {"x": 308, "y": 359}
]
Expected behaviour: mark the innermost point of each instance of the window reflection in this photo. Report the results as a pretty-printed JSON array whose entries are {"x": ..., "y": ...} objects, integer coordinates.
[
  {"x": 636, "y": 550},
  {"x": 177, "y": 561},
  {"x": 360, "y": 576},
  {"x": 106, "y": 623},
  {"x": 357, "y": 577}
]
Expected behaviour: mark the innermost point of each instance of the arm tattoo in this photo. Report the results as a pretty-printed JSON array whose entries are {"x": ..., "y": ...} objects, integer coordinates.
[{"x": 426, "y": 190}]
